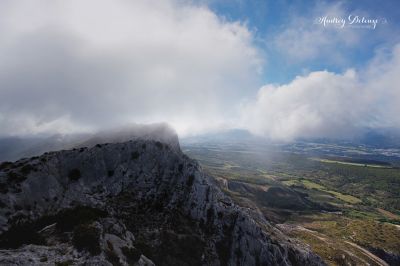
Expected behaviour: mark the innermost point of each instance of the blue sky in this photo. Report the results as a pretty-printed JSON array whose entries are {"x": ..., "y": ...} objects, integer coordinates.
[{"x": 267, "y": 18}]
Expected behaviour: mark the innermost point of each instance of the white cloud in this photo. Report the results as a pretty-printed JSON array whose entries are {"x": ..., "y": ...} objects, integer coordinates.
[
  {"x": 79, "y": 65},
  {"x": 304, "y": 40},
  {"x": 88, "y": 64},
  {"x": 325, "y": 104},
  {"x": 382, "y": 78}
]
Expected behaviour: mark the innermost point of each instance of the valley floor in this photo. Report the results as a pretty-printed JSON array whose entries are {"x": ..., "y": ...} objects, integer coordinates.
[{"x": 345, "y": 208}]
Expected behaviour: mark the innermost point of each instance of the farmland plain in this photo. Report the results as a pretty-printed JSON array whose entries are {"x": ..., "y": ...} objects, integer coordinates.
[{"x": 342, "y": 200}]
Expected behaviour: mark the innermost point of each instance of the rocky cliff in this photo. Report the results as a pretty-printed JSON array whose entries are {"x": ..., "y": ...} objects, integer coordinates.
[{"x": 140, "y": 202}]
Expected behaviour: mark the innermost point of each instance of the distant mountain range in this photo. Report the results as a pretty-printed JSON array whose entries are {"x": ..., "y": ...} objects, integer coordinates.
[
  {"x": 13, "y": 148},
  {"x": 382, "y": 137},
  {"x": 232, "y": 135}
]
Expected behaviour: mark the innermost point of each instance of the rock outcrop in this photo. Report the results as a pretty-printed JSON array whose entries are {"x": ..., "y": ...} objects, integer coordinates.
[{"x": 140, "y": 202}]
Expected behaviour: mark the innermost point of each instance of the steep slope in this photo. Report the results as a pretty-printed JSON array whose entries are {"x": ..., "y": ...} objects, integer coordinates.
[{"x": 134, "y": 203}]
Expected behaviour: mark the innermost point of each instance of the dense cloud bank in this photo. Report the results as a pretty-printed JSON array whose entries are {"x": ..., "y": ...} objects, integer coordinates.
[
  {"x": 79, "y": 65},
  {"x": 69, "y": 66},
  {"x": 325, "y": 104}
]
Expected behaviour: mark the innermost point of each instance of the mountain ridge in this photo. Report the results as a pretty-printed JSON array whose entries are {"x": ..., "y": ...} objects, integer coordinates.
[{"x": 141, "y": 202}]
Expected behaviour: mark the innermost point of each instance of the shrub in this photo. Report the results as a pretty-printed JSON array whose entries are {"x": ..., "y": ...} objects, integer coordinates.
[
  {"x": 26, "y": 232},
  {"x": 87, "y": 237},
  {"x": 3, "y": 188},
  {"x": 68, "y": 219},
  {"x": 132, "y": 254},
  {"x": 110, "y": 173},
  {"x": 159, "y": 145},
  {"x": 190, "y": 181},
  {"x": 5, "y": 165},
  {"x": 112, "y": 256},
  {"x": 27, "y": 168},
  {"x": 180, "y": 168},
  {"x": 134, "y": 155},
  {"x": 20, "y": 234},
  {"x": 64, "y": 263},
  {"x": 14, "y": 177},
  {"x": 74, "y": 174}
]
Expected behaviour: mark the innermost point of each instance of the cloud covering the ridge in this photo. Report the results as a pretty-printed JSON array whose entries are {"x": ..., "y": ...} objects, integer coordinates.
[
  {"x": 76, "y": 65},
  {"x": 325, "y": 104}
]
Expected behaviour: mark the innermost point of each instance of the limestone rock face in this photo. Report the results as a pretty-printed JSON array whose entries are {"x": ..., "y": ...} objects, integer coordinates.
[{"x": 140, "y": 202}]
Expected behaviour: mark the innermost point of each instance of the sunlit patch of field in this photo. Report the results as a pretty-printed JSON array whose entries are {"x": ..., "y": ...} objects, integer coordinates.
[
  {"x": 350, "y": 163},
  {"x": 292, "y": 182},
  {"x": 388, "y": 214},
  {"x": 363, "y": 215},
  {"x": 365, "y": 232},
  {"x": 346, "y": 198},
  {"x": 332, "y": 236},
  {"x": 266, "y": 175},
  {"x": 229, "y": 165},
  {"x": 312, "y": 185},
  {"x": 336, "y": 251}
]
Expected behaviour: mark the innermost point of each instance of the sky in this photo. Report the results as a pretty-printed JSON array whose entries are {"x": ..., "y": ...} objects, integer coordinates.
[{"x": 280, "y": 69}]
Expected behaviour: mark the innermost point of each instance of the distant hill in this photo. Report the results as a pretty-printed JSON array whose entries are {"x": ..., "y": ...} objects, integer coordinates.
[
  {"x": 382, "y": 137},
  {"x": 385, "y": 137},
  {"x": 224, "y": 136}
]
